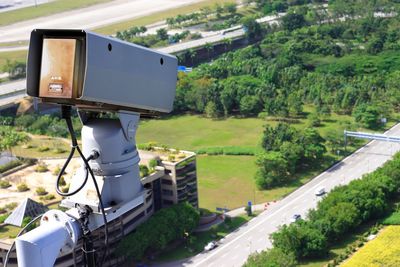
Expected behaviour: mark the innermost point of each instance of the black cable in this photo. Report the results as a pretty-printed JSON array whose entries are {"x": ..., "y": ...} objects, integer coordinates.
[
  {"x": 66, "y": 114},
  {"x": 86, "y": 161},
  {"x": 20, "y": 233}
]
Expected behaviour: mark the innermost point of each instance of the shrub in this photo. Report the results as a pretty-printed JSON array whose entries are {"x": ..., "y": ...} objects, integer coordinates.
[
  {"x": 11, "y": 206},
  {"x": 4, "y": 184},
  {"x": 43, "y": 148},
  {"x": 3, "y": 217},
  {"x": 41, "y": 167},
  {"x": 41, "y": 191},
  {"x": 48, "y": 197},
  {"x": 22, "y": 187},
  {"x": 10, "y": 165},
  {"x": 59, "y": 150},
  {"x": 56, "y": 171},
  {"x": 62, "y": 181},
  {"x": 144, "y": 170},
  {"x": 65, "y": 189}
]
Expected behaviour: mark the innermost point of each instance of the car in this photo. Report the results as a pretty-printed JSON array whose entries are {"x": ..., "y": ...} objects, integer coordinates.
[
  {"x": 320, "y": 191},
  {"x": 210, "y": 246},
  {"x": 295, "y": 218}
]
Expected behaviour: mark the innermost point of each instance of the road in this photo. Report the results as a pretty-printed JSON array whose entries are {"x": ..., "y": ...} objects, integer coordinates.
[
  {"x": 90, "y": 17},
  {"x": 252, "y": 237},
  {"x": 11, "y": 92}
]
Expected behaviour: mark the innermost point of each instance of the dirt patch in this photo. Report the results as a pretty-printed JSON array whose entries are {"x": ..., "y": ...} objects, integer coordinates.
[{"x": 35, "y": 179}]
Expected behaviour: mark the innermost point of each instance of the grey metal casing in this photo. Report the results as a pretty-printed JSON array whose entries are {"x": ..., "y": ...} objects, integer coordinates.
[{"x": 117, "y": 73}]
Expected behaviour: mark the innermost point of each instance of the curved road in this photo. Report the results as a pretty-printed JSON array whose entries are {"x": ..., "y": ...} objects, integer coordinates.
[{"x": 254, "y": 236}]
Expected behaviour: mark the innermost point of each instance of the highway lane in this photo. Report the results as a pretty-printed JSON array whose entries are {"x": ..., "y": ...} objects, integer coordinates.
[
  {"x": 254, "y": 236},
  {"x": 90, "y": 17}
]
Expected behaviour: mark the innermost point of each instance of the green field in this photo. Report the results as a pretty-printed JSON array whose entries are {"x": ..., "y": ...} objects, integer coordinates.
[
  {"x": 42, "y": 147},
  {"x": 193, "y": 132},
  {"x": 15, "y": 55},
  {"x": 44, "y": 10},
  {"x": 229, "y": 180}
]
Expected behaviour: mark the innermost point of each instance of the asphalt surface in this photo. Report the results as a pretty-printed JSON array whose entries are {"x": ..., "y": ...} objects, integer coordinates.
[
  {"x": 12, "y": 92},
  {"x": 254, "y": 236},
  {"x": 90, "y": 17}
]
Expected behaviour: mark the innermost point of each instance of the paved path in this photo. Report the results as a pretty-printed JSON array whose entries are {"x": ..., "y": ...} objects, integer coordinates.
[
  {"x": 254, "y": 236},
  {"x": 90, "y": 17}
]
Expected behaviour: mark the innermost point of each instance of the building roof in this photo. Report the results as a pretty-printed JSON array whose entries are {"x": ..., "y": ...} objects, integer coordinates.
[{"x": 27, "y": 208}]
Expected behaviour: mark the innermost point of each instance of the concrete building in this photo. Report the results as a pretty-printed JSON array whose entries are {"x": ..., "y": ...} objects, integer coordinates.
[
  {"x": 171, "y": 179},
  {"x": 174, "y": 179}
]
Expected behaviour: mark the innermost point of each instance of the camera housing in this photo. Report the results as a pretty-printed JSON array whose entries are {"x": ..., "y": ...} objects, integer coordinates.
[{"x": 84, "y": 69}]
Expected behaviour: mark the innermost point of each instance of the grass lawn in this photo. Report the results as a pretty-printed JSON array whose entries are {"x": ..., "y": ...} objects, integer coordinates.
[
  {"x": 42, "y": 147},
  {"x": 44, "y": 10},
  {"x": 384, "y": 250},
  {"x": 201, "y": 239},
  {"x": 193, "y": 132},
  {"x": 16, "y": 43},
  {"x": 229, "y": 180},
  {"x": 158, "y": 16},
  {"x": 14, "y": 55},
  {"x": 9, "y": 231}
]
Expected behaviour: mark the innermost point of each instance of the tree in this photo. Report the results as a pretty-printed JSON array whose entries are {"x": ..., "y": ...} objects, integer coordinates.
[
  {"x": 292, "y": 21},
  {"x": 314, "y": 120},
  {"x": 10, "y": 138},
  {"x": 230, "y": 8},
  {"x": 274, "y": 257},
  {"x": 211, "y": 110},
  {"x": 313, "y": 144},
  {"x": 273, "y": 138},
  {"x": 301, "y": 239},
  {"x": 367, "y": 115},
  {"x": 209, "y": 47},
  {"x": 15, "y": 69},
  {"x": 251, "y": 27},
  {"x": 273, "y": 169},
  {"x": 249, "y": 105},
  {"x": 162, "y": 34}
]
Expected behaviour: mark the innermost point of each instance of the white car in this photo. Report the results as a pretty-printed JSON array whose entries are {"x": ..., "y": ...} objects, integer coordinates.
[
  {"x": 295, "y": 218},
  {"x": 320, "y": 191},
  {"x": 210, "y": 246}
]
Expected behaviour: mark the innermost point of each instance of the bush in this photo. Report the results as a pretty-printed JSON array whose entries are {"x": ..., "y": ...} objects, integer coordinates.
[
  {"x": 65, "y": 189},
  {"x": 62, "y": 181},
  {"x": 43, "y": 148},
  {"x": 11, "y": 206},
  {"x": 41, "y": 167},
  {"x": 3, "y": 217},
  {"x": 10, "y": 165},
  {"x": 4, "y": 184},
  {"x": 59, "y": 150},
  {"x": 271, "y": 258},
  {"x": 228, "y": 150},
  {"x": 48, "y": 197},
  {"x": 144, "y": 170},
  {"x": 41, "y": 191},
  {"x": 22, "y": 187}
]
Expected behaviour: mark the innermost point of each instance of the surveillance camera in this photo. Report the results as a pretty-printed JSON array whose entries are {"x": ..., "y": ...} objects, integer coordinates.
[{"x": 88, "y": 70}]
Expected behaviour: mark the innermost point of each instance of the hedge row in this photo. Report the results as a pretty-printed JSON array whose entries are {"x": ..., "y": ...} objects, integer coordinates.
[{"x": 228, "y": 150}]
